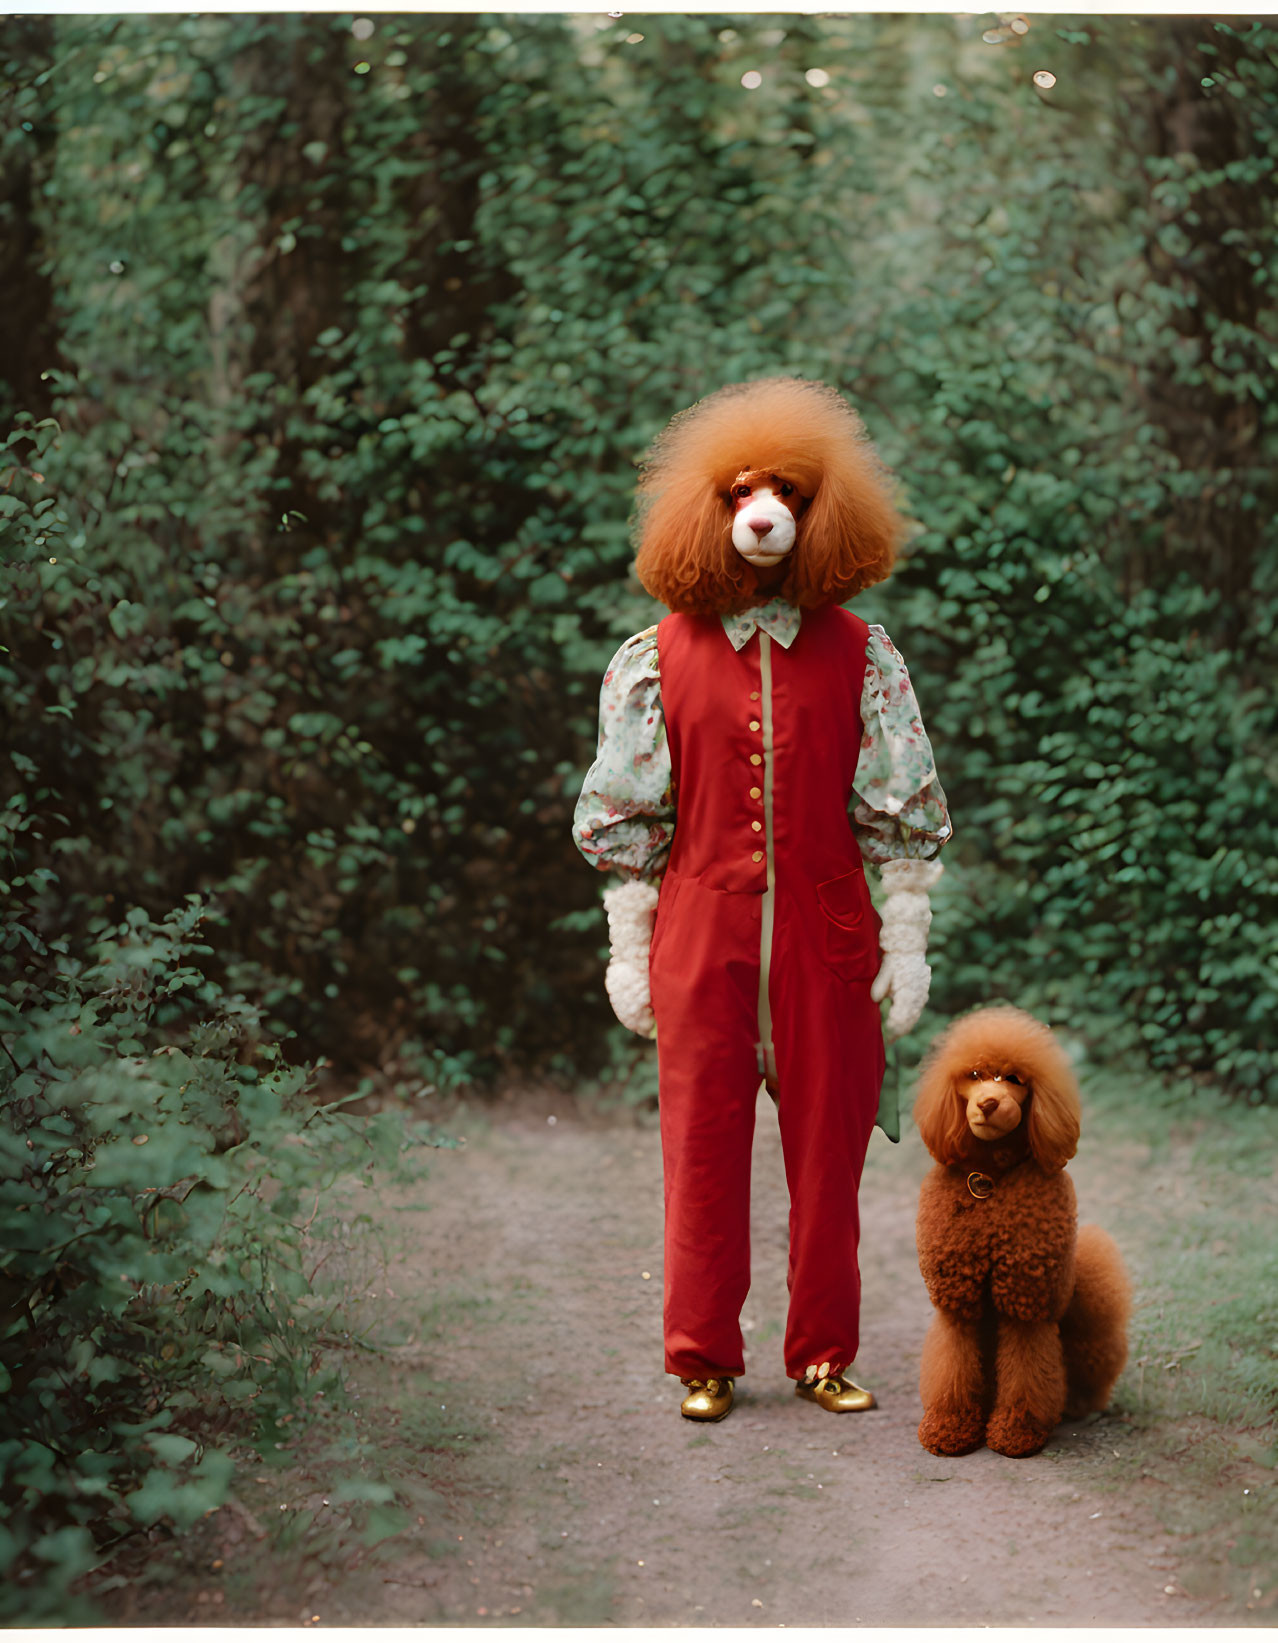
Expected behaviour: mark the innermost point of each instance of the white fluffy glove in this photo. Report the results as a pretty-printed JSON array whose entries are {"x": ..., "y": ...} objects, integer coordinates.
[
  {"x": 905, "y": 974},
  {"x": 631, "y": 909}
]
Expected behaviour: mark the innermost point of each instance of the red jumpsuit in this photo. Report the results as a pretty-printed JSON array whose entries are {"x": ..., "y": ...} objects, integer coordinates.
[{"x": 763, "y": 951}]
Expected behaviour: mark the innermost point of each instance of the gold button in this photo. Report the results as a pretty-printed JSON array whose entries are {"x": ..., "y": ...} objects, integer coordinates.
[
  {"x": 754, "y": 724},
  {"x": 758, "y": 855},
  {"x": 754, "y": 695},
  {"x": 756, "y": 758},
  {"x": 758, "y": 826},
  {"x": 755, "y": 793}
]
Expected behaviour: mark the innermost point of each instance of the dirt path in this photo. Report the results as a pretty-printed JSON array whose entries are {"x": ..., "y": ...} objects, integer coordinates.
[{"x": 567, "y": 1490}]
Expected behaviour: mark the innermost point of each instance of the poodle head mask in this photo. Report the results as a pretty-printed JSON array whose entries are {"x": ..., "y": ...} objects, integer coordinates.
[{"x": 761, "y": 488}]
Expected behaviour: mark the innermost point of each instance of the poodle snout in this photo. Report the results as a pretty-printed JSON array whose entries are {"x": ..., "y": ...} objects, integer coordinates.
[
  {"x": 764, "y": 533},
  {"x": 993, "y": 1107}
]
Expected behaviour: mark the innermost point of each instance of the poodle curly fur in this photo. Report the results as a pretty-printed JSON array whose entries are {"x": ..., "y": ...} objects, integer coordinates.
[
  {"x": 1031, "y": 1310},
  {"x": 804, "y": 432}
]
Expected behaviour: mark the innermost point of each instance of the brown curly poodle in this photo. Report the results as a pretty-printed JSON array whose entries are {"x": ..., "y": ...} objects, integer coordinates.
[{"x": 1031, "y": 1310}]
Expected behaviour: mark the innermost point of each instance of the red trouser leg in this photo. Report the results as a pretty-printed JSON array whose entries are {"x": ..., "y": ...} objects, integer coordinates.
[
  {"x": 829, "y": 1049},
  {"x": 705, "y": 972}
]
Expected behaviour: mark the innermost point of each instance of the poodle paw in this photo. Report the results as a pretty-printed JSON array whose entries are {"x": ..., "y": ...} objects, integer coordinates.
[
  {"x": 1012, "y": 1432},
  {"x": 952, "y": 1431}
]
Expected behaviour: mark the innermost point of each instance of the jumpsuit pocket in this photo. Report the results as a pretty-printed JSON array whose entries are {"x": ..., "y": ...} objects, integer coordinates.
[
  {"x": 849, "y": 933},
  {"x": 665, "y": 906}
]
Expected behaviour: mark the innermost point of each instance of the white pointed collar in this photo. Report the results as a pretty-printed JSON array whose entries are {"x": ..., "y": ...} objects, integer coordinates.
[{"x": 778, "y": 618}]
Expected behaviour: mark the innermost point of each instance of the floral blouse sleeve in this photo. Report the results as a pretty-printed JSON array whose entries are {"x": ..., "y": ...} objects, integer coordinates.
[
  {"x": 900, "y": 808},
  {"x": 625, "y": 816}
]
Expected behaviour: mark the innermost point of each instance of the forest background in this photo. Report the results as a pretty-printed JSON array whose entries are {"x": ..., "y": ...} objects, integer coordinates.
[{"x": 329, "y": 345}]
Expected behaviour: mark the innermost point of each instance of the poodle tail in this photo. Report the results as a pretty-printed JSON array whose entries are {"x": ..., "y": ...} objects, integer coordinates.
[{"x": 1094, "y": 1328}]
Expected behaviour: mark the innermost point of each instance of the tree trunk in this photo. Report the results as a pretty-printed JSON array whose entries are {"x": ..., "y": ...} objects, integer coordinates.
[
  {"x": 28, "y": 323},
  {"x": 285, "y": 269},
  {"x": 1208, "y": 223}
]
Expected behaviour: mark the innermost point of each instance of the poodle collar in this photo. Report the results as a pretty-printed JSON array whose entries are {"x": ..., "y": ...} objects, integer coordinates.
[{"x": 778, "y": 617}]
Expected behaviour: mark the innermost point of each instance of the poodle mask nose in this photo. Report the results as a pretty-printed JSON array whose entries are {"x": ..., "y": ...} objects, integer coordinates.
[{"x": 765, "y": 512}]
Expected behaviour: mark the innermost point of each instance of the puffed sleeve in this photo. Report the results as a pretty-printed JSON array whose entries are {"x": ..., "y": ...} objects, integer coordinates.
[
  {"x": 625, "y": 817},
  {"x": 899, "y": 809}
]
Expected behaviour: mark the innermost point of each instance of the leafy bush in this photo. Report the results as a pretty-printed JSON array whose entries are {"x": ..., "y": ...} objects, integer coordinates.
[
  {"x": 168, "y": 1190},
  {"x": 339, "y": 560},
  {"x": 1090, "y": 597},
  {"x": 352, "y": 340}
]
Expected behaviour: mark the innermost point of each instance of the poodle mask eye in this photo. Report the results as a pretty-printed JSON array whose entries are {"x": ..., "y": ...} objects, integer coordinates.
[
  {"x": 995, "y": 1078},
  {"x": 749, "y": 480},
  {"x": 765, "y": 510}
]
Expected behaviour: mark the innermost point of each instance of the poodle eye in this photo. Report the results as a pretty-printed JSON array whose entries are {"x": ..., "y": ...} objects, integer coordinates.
[
  {"x": 741, "y": 490},
  {"x": 1010, "y": 1077},
  {"x": 786, "y": 488}
]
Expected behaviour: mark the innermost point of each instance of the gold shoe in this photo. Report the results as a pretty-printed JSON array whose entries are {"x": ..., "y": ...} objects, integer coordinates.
[
  {"x": 708, "y": 1400},
  {"x": 834, "y": 1392}
]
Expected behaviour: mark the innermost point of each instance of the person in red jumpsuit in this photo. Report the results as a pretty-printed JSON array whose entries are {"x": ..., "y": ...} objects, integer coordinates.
[{"x": 756, "y": 747}]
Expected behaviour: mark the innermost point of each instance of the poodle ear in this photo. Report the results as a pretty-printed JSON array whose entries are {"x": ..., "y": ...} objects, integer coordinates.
[
  {"x": 939, "y": 1113},
  {"x": 1054, "y": 1113},
  {"x": 848, "y": 535},
  {"x": 686, "y": 559}
]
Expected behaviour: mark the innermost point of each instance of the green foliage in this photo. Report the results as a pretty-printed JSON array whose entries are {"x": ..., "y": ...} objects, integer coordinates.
[
  {"x": 311, "y": 579},
  {"x": 1092, "y": 580},
  {"x": 168, "y": 1195},
  {"x": 341, "y": 559}
]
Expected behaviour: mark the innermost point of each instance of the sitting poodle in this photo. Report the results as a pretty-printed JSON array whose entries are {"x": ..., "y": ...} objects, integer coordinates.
[{"x": 1031, "y": 1311}]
